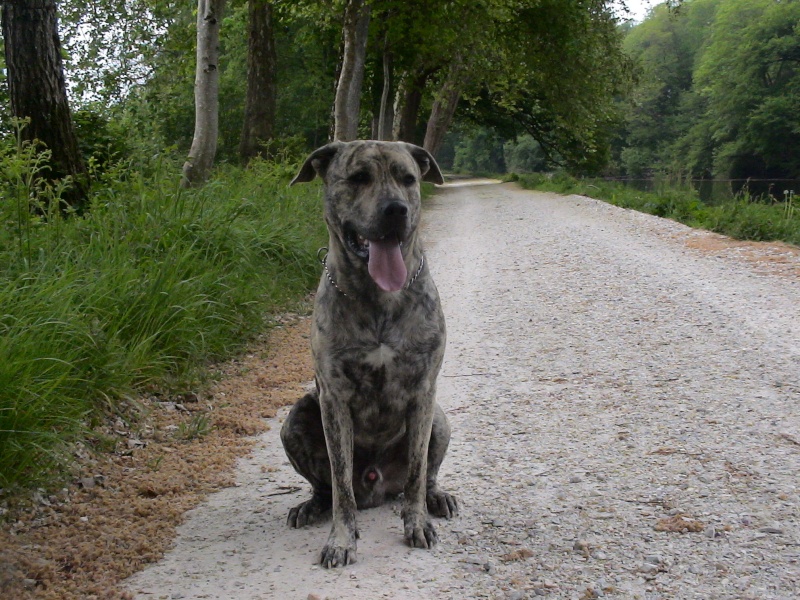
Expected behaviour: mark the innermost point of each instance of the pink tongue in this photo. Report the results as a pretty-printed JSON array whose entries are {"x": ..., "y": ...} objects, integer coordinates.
[{"x": 386, "y": 264}]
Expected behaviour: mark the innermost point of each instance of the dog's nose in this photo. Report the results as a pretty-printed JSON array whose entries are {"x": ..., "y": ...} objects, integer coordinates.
[{"x": 395, "y": 209}]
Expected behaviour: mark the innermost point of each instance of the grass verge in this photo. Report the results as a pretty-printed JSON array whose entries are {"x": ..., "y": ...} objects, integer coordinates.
[
  {"x": 742, "y": 218},
  {"x": 150, "y": 284}
]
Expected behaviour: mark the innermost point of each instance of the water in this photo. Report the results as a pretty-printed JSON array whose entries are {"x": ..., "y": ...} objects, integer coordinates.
[{"x": 717, "y": 191}]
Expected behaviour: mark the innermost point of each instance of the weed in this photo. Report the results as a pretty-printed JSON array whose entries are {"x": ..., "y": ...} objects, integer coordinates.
[
  {"x": 196, "y": 427},
  {"x": 138, "y": 293}
]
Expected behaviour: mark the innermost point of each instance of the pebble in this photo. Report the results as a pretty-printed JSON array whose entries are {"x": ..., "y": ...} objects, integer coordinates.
[
  {"x": 773, "y": 530},
  {"x": 581, "y": 546}
]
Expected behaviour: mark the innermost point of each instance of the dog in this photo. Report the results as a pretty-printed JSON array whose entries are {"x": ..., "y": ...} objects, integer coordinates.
[{"x": 372, "y": 428}]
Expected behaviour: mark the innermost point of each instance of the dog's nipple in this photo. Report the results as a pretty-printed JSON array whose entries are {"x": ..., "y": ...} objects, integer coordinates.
[{"x": 372, "y": 475}]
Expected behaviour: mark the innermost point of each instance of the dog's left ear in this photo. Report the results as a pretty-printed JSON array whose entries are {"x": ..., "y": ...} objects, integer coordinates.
[
  {"x": 427, "y": 164},
  {"x": 317, "y": 163}
]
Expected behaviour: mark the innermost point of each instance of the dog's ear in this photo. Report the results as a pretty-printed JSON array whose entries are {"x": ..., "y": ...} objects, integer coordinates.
[
  {"x": 317, "y": 163},
  {"x": 427, "y": 164}
]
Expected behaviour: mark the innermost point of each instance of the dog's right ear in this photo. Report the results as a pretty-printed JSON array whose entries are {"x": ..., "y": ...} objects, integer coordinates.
[{"x": 317, "y": 163}]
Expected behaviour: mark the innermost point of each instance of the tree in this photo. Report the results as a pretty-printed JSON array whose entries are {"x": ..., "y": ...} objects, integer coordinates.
[
  {"x": 551, "y": 68},
  {"x": 664, "y": 105},
  {"x": 749, "y": 75},
  {"x": 112, "y": 45},
  {"x": 444, "y": 105},
  {"x": 259, "y": 115},
  {"x": 348, "y": 90},
  {"x": 38, "y": 91},
  {"x": 718, "y": 90},
  {"x": 407, "y": 106},
  {"x": 197, "y": 167}
]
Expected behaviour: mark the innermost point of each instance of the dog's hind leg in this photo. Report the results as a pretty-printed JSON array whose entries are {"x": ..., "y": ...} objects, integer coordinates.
[
  {"x": 440, "y": 504},
  {"x": 304, "y": 441}
]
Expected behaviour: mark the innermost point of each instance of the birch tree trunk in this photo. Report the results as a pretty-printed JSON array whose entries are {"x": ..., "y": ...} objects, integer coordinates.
[
  {"x": 197, "y": 167},
  {"x": 348, "y": 89},
  {"x": 38, "y": 91},
  {"x": 444, "y": 107},
  {"x": 259, "y": 112}
]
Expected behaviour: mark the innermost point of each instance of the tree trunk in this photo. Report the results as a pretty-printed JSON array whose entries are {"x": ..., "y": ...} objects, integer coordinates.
[
  {"x": 348, "y": 90},
  {"x": 444, "y": 107},
  {"x": 375, "y": 95},
  {"x": 197, "y": 167},
  {"x": 409, "y": 98},
  {"x": 259, "y": 112},
  {"x": 386, "y": 113},
  {"x": 37, "y": 89}
]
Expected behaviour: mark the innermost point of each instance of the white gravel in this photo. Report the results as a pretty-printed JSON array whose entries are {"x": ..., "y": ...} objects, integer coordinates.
[{"x": 600, "y": 378}]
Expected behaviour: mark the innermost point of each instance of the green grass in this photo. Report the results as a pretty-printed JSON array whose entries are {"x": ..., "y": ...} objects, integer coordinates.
[
  {"x": 743, "y": 218},
  {"x": 139, "y": 293}
]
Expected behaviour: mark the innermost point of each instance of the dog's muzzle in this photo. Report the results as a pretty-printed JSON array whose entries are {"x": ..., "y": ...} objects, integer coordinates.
[{"x": 383, "y": 248}]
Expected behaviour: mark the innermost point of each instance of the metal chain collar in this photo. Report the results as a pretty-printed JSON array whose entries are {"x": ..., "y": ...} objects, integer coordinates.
[{"x": 324, "y": 260}]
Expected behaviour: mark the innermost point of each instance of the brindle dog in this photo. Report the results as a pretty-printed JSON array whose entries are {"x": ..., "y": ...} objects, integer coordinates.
[{"x": 372, "y": 428}]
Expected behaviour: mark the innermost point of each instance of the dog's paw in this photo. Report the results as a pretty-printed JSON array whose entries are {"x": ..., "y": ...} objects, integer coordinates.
[
  {"x": 420, "y": 533},
  {"x": 336, "y": 554},
  {"x": 442, "y": 504},
  {"x": 309, "y": 512}
]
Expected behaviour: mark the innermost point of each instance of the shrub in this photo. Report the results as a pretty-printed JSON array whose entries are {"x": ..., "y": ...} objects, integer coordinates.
[{"x": 148, "y": 285}]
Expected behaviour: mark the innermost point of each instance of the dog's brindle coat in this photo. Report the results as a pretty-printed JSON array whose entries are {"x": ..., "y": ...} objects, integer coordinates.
[{"x": 372, "y": 428}]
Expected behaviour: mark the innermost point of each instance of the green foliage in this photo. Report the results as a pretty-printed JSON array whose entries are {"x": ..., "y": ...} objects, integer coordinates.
[
  {"x": 718, "y": 90},
  {"x": 148, "y": 285},
  {"x": 743, "y": 217},
  {"x": 480, "y": 151},
  {"x": 750, "y": 78},
  {"x": 554, "y": 69},
  {"x": 525, "y": 155}
]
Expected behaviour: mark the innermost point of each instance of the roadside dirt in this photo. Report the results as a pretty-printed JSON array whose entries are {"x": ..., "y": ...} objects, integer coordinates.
[
  {"x": 611, "y": 377},
  {"x": 81, "y": 542}
]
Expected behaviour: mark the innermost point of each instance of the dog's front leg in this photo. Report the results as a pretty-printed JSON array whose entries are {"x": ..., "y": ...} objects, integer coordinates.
[
  {"x": 340, "y": 550},
  {"x": 419, "y": 531}
]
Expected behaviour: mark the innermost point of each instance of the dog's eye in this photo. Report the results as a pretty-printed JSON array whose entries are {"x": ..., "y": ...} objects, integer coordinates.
[
  {"x": 360, "y": 178},
  {"x": 409, "y": 180}
]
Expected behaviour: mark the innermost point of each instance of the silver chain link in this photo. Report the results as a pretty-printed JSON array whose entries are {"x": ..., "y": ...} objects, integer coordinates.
[{"x": 324, "y": 260}]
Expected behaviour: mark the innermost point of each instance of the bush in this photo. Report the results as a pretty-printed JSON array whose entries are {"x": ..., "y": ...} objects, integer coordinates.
[{"x": 147, "y": 286}]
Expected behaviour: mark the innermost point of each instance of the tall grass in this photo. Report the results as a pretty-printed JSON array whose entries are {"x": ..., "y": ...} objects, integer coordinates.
[
  {"x": 743, "y": 217},
  {"x": 152, "y": 281}
]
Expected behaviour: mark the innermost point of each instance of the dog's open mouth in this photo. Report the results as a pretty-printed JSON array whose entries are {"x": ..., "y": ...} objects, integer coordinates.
[{"x": 384, "y": 258}]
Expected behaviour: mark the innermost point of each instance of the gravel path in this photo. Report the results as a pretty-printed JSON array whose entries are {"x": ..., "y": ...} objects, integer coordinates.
[{"x": 625, "y": 425}]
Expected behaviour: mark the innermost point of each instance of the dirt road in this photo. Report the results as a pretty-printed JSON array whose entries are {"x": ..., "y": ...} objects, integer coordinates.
[{"x": 626, "y": 424}]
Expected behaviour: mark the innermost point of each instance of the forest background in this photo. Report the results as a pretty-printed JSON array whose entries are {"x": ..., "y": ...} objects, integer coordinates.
[{"x": 126, "y": 267}]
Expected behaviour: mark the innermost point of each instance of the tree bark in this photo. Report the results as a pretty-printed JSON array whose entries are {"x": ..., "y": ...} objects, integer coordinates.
[
  {"x": 38, "y": 91},
  {"x": 443, "y": 109},
  {"x": 259, "y": 112},
  {"x": 409, "y": 98},
  {"x": 348, "y": 89},
  {"x": 386, "y": 113},
  {"x": 197, "y": 167}
]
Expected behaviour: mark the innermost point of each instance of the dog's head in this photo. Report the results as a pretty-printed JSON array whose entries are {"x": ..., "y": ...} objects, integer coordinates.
[{"x": 372, "y": 200}]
